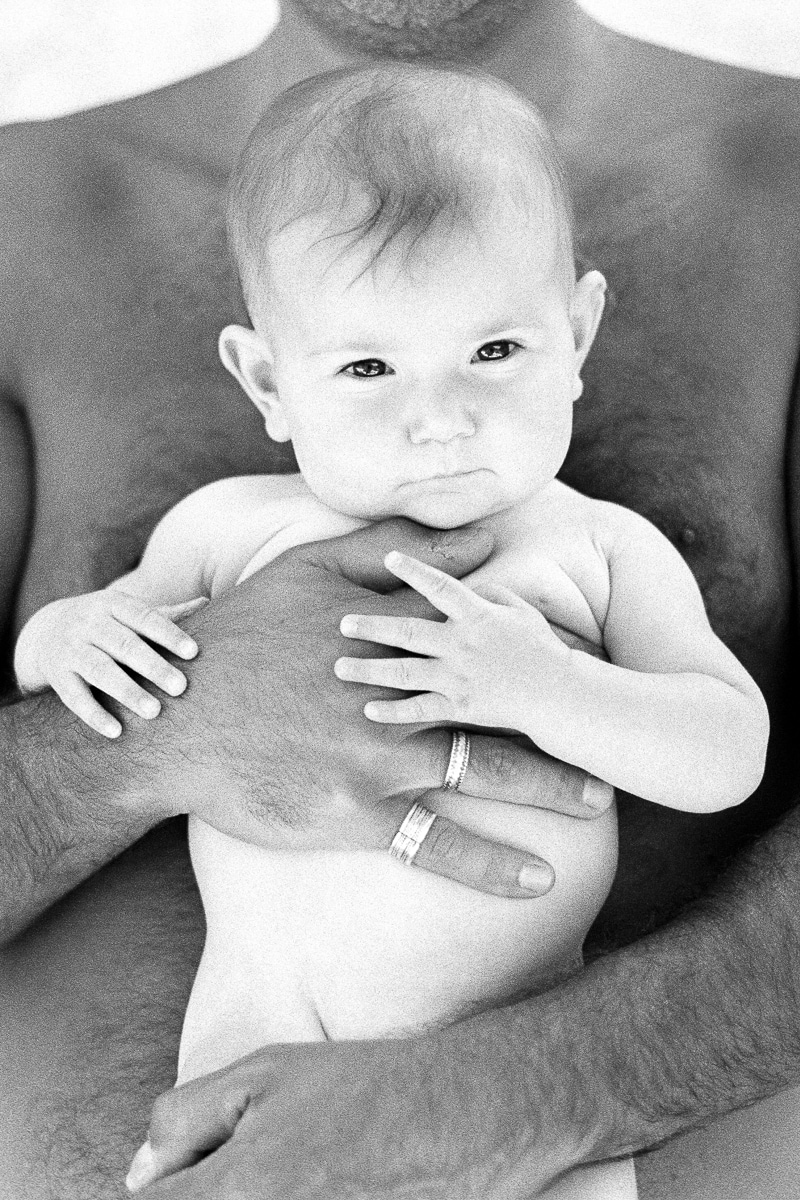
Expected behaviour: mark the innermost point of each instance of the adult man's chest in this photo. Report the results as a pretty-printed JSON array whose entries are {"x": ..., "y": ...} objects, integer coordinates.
[{"x": 684, "y": 419}]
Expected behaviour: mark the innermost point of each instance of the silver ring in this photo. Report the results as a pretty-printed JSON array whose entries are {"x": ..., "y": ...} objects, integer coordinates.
[
  {"x": 459, "y": 757},
  {"x": 414, "y": 828}
]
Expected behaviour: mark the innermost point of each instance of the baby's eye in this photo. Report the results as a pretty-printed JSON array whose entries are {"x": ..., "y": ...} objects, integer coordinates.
[
  {"x": 494, "y": 351},
  {"x": 366, "y": 368}
]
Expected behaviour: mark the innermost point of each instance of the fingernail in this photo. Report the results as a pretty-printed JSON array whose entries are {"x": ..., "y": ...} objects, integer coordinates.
[
  {"x": 347, "y": 626},
  {"x": 537, "y": 878},
  {"x": 150, "y": 708},
  {"x": 597, "y": 794},
  {"x": 142, "y": 1169},
  {"x": 176, "y": 685},
  {"x": 393, "y": 558},
  {"x": 188, "y": 649}
]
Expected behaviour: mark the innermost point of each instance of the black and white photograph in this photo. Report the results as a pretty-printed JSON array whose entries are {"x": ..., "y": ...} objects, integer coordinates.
[{"x": 399, "y": 544}]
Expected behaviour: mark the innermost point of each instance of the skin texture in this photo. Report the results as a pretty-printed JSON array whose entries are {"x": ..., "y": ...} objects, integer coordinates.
[{"x": 686, "y": 187}]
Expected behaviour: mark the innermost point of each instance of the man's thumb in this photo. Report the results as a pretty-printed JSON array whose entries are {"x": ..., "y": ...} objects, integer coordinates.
[{"x": 359, "y": 556}]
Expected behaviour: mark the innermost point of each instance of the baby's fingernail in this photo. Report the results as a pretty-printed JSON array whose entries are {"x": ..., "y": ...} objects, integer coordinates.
[
  {"x": 537, "y": 878},
  {"x": 113, "y": 729},
  {"x": 176, "y": 684},
  {"x": 347, "y": 626},
  {"x": 393, "y": 558},
  {"x": 187, "y": 648},
  {"x": 142, "y": 1168},
  {"x": 597, "y": 794},
  {"x": 150, "y": 708}
]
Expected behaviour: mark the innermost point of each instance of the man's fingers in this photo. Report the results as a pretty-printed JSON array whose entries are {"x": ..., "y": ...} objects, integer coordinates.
[
  {"x": 359, "y": 556},
  {"x": 509, "y": 769},
  {"x": 485, "y": 866},
  {"x": 187, "y": 1123}
]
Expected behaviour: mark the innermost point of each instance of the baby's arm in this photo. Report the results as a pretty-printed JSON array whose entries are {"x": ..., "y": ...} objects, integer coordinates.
[
  {"x": 673, "y": 717},
  {"x": 84, "y": 642}
]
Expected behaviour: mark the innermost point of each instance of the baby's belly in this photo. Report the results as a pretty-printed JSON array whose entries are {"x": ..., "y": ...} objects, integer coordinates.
[{"x": 356, "y": 945}]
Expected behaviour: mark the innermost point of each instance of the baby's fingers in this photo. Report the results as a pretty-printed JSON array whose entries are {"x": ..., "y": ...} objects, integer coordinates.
[
  {"x": 406, "y": 674},
  {"x": 128, "y": 648},
  {"x": 450, "y": 596},
  {"x": 425, "y": 709},
  {"x": 74, "y": 693},
  {"x": 406, "y": 633},
  {"x": 101, "y": 672},
  {"x": 152, "y": 624}
]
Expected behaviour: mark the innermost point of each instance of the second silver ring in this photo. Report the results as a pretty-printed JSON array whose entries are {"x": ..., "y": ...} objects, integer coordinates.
[{"x": 459, "y": 758}]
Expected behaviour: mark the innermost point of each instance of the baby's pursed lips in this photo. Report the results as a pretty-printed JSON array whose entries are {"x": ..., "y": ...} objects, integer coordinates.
[{"x": 439, "y": 476}]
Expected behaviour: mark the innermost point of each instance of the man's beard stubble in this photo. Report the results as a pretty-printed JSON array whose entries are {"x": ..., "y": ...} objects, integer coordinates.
[{"x": 413, "y": 28}]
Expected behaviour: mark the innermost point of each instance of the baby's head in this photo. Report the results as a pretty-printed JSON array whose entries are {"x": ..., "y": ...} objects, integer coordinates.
[{"x": 403, "y": 240}]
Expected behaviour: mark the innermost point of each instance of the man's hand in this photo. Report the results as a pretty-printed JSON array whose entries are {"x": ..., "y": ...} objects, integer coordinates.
[
  {"x": 445, "y": 1115},
  {"x": 266, "y": 743},
  {"x": 270, "y": 746},
  {"x": 694, "y": 1021}
]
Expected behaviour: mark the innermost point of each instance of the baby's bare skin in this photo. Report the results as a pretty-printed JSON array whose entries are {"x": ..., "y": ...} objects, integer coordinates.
[
  {"x": 686, "y": 181},
  {"x": 297, "y": 945}
]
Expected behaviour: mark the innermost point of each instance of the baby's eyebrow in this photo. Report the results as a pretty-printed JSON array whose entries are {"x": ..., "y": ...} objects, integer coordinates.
[
  {"x": 499, "y": 328},
  {"x": 349, "y": 350},
  {"x": 380, "y": 345}
]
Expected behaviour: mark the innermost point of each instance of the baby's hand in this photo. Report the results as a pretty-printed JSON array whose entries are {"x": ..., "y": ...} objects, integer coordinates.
[
  {"x": 79, "y": 642},
  {"x": 493, "y": 662}
]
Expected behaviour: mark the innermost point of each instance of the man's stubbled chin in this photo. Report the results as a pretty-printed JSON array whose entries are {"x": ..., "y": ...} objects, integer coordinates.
[{"x": 413, "y": 28}]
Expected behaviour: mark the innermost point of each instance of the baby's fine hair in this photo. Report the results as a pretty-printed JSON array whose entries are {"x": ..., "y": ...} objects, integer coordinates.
[{"x": 388, "y": 152}]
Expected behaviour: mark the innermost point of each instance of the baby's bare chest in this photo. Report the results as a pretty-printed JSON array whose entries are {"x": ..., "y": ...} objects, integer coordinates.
[{"x": 545, "y": 557}]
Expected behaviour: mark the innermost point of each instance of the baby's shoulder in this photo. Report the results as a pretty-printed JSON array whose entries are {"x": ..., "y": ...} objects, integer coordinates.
[
  {"x": 244, "y": 495},
  {"x": 569, "y": 544},
  {"x": 228, "y": 507},
  {"x": 566, "y": 516},
  {"x": 239, "y": 517}
]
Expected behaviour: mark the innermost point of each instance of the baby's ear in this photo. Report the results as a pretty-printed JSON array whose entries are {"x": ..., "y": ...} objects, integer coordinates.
[
  {"x": 248, "y": 358},
  {"x": 586, "y": 309}
]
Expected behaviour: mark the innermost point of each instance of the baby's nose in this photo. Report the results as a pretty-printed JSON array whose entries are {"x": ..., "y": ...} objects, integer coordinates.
[{"x": 440, "y": 418}]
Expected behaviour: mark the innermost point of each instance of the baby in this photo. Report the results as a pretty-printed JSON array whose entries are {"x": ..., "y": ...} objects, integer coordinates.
[{"x": 403, "y": 241}]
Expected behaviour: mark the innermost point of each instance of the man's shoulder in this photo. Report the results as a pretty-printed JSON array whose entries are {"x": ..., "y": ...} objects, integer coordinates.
[{"x": 76, "y": 192}]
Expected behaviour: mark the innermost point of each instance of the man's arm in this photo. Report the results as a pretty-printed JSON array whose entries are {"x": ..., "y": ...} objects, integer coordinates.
[
  {"x": 66, "y": 806},
  {"x": 236, "y": 749},
  {"x": 683, "y": 1026}
]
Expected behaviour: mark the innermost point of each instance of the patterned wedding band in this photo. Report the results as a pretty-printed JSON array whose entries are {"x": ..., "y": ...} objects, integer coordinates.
[
  {"x": 459, "y": 757},
  {"x": 415, "y": 827}
]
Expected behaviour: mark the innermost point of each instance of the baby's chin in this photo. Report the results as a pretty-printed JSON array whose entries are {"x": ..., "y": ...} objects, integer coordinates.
[{"x": 448, "y": 512}]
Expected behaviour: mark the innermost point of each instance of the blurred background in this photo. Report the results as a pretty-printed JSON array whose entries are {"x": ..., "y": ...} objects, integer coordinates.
[{"x": 57, "y": 56}]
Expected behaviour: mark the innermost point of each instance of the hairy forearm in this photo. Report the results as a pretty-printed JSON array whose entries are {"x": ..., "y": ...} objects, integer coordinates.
[
  {"x": 692, "y": 1022},
  {"x": 67, "y": 806}
]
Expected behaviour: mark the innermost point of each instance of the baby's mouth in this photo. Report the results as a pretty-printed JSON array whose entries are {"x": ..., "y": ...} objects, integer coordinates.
[{"x": 450, "y": 474}]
